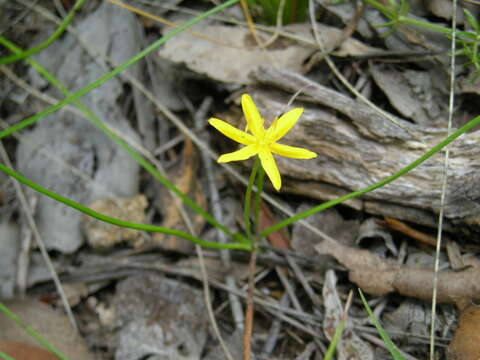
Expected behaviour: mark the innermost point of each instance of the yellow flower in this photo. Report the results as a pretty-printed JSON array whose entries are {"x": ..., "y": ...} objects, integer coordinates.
[{"x": 262, "y": 141}]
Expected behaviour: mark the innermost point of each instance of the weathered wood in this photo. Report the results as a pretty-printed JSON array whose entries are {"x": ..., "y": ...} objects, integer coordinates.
[{"x": 356, "y": 148}]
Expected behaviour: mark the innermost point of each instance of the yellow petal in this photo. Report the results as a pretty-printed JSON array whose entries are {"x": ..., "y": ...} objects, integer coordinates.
[
  {"x": 268, "y": 164},
  {"x": 232, "y": 132},
  {"x": 254, "y": 120},
  {"x": 242, "y": 154},
  {"x": 292, "y": 151},
  {"x": 283, "y": 125}
]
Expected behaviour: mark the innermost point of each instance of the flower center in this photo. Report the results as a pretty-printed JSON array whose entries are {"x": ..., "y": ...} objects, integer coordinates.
[{"x": 263, "y": 141}]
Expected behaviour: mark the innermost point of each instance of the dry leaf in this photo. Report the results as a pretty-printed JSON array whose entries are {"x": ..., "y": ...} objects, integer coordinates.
[
  {"x": 52, "y": 325},
  {"x": 409, "y": 231},
  {"x": 466, "y": 342},
  {"x": 23, "y": 351},
  {"x": 278, "y": 239},
  {"x": 185, "y": 179},
  {"x": 229, "y": 54}
]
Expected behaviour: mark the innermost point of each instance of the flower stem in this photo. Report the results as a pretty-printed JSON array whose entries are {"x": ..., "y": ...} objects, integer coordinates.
[
  {"x": 256, "y": 205},
  {"x": 248, "y": 197},
  {"x": 253, "y": 260}
]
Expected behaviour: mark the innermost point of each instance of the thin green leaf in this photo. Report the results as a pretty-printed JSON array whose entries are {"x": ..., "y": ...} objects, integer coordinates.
[
  {"x": 118, "y": 222},
  {"x": 336, "y": 338},
  {"x": 5, "y": 356},
  {"x": 49, "y": 41},
  {"x": 404, "y": 7},
  {"x": 386, "y": 339},
  {"x": 472, "y": 20}
]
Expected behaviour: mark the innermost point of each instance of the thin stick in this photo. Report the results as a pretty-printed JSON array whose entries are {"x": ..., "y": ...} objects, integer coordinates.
[
  {"x": 23, "y": 261},
  {"x": 39, "y": 240},
  {"x": 247, "y": 333},
  {"x": 276, "y": 326},
  {"x": 444, "y": 181}
]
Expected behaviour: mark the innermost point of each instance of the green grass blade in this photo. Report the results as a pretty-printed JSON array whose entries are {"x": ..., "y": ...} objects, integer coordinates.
[
  {"x": 118, "y": 222},
  {"x": 472, "y": 123},
  {"x": 49, "y": 41},
  {"x": 386, "y": 339},
  {"x": 5, "y": 356},
  {"x": 335, "y": 340},
  {"x": 31, "y": 120},
  {"x": 38, "y": 338}
]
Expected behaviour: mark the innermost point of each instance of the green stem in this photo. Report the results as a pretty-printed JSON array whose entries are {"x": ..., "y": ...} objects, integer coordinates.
[
  {"x": 5, "y": 356},
  {"x": 396, "y": 18},
  {"x": 383, "y": 9},
  {"x": 386, "y": 339},
  {"x": 472, "y": 123},
  {"x": 42, "y": 341},
  {"x": 248, "y": 197},
  {"x": 50, "y": 40},
  {"x": 425, "y": 25},
  {"x": 118, "y": 222},
  {"x": 256, "y": 205},
  {"x": 336, "y": 338}
]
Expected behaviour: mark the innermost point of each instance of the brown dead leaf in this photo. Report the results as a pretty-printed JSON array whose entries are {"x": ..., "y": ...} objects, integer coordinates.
[
  {"x": 409, "y": 231},
  {"x": 23, "y": 351},
  {"x": 278, "y": 239},
  {"x": 51, "y": 324},
  {"x": 184, "y": 178},
  {"x": 466, "y": 341},
  {"x": 378, "y": 276},
  {"x": 229, "y": 54}
]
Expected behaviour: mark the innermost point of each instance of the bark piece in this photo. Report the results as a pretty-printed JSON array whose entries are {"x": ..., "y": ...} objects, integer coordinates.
[
  {"x": 356, "y": 148},
  {"x": 414, "y": 94}
]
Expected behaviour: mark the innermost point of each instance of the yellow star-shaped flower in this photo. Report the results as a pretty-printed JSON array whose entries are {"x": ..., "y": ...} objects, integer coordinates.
[{"x": 262, "y": 141}]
